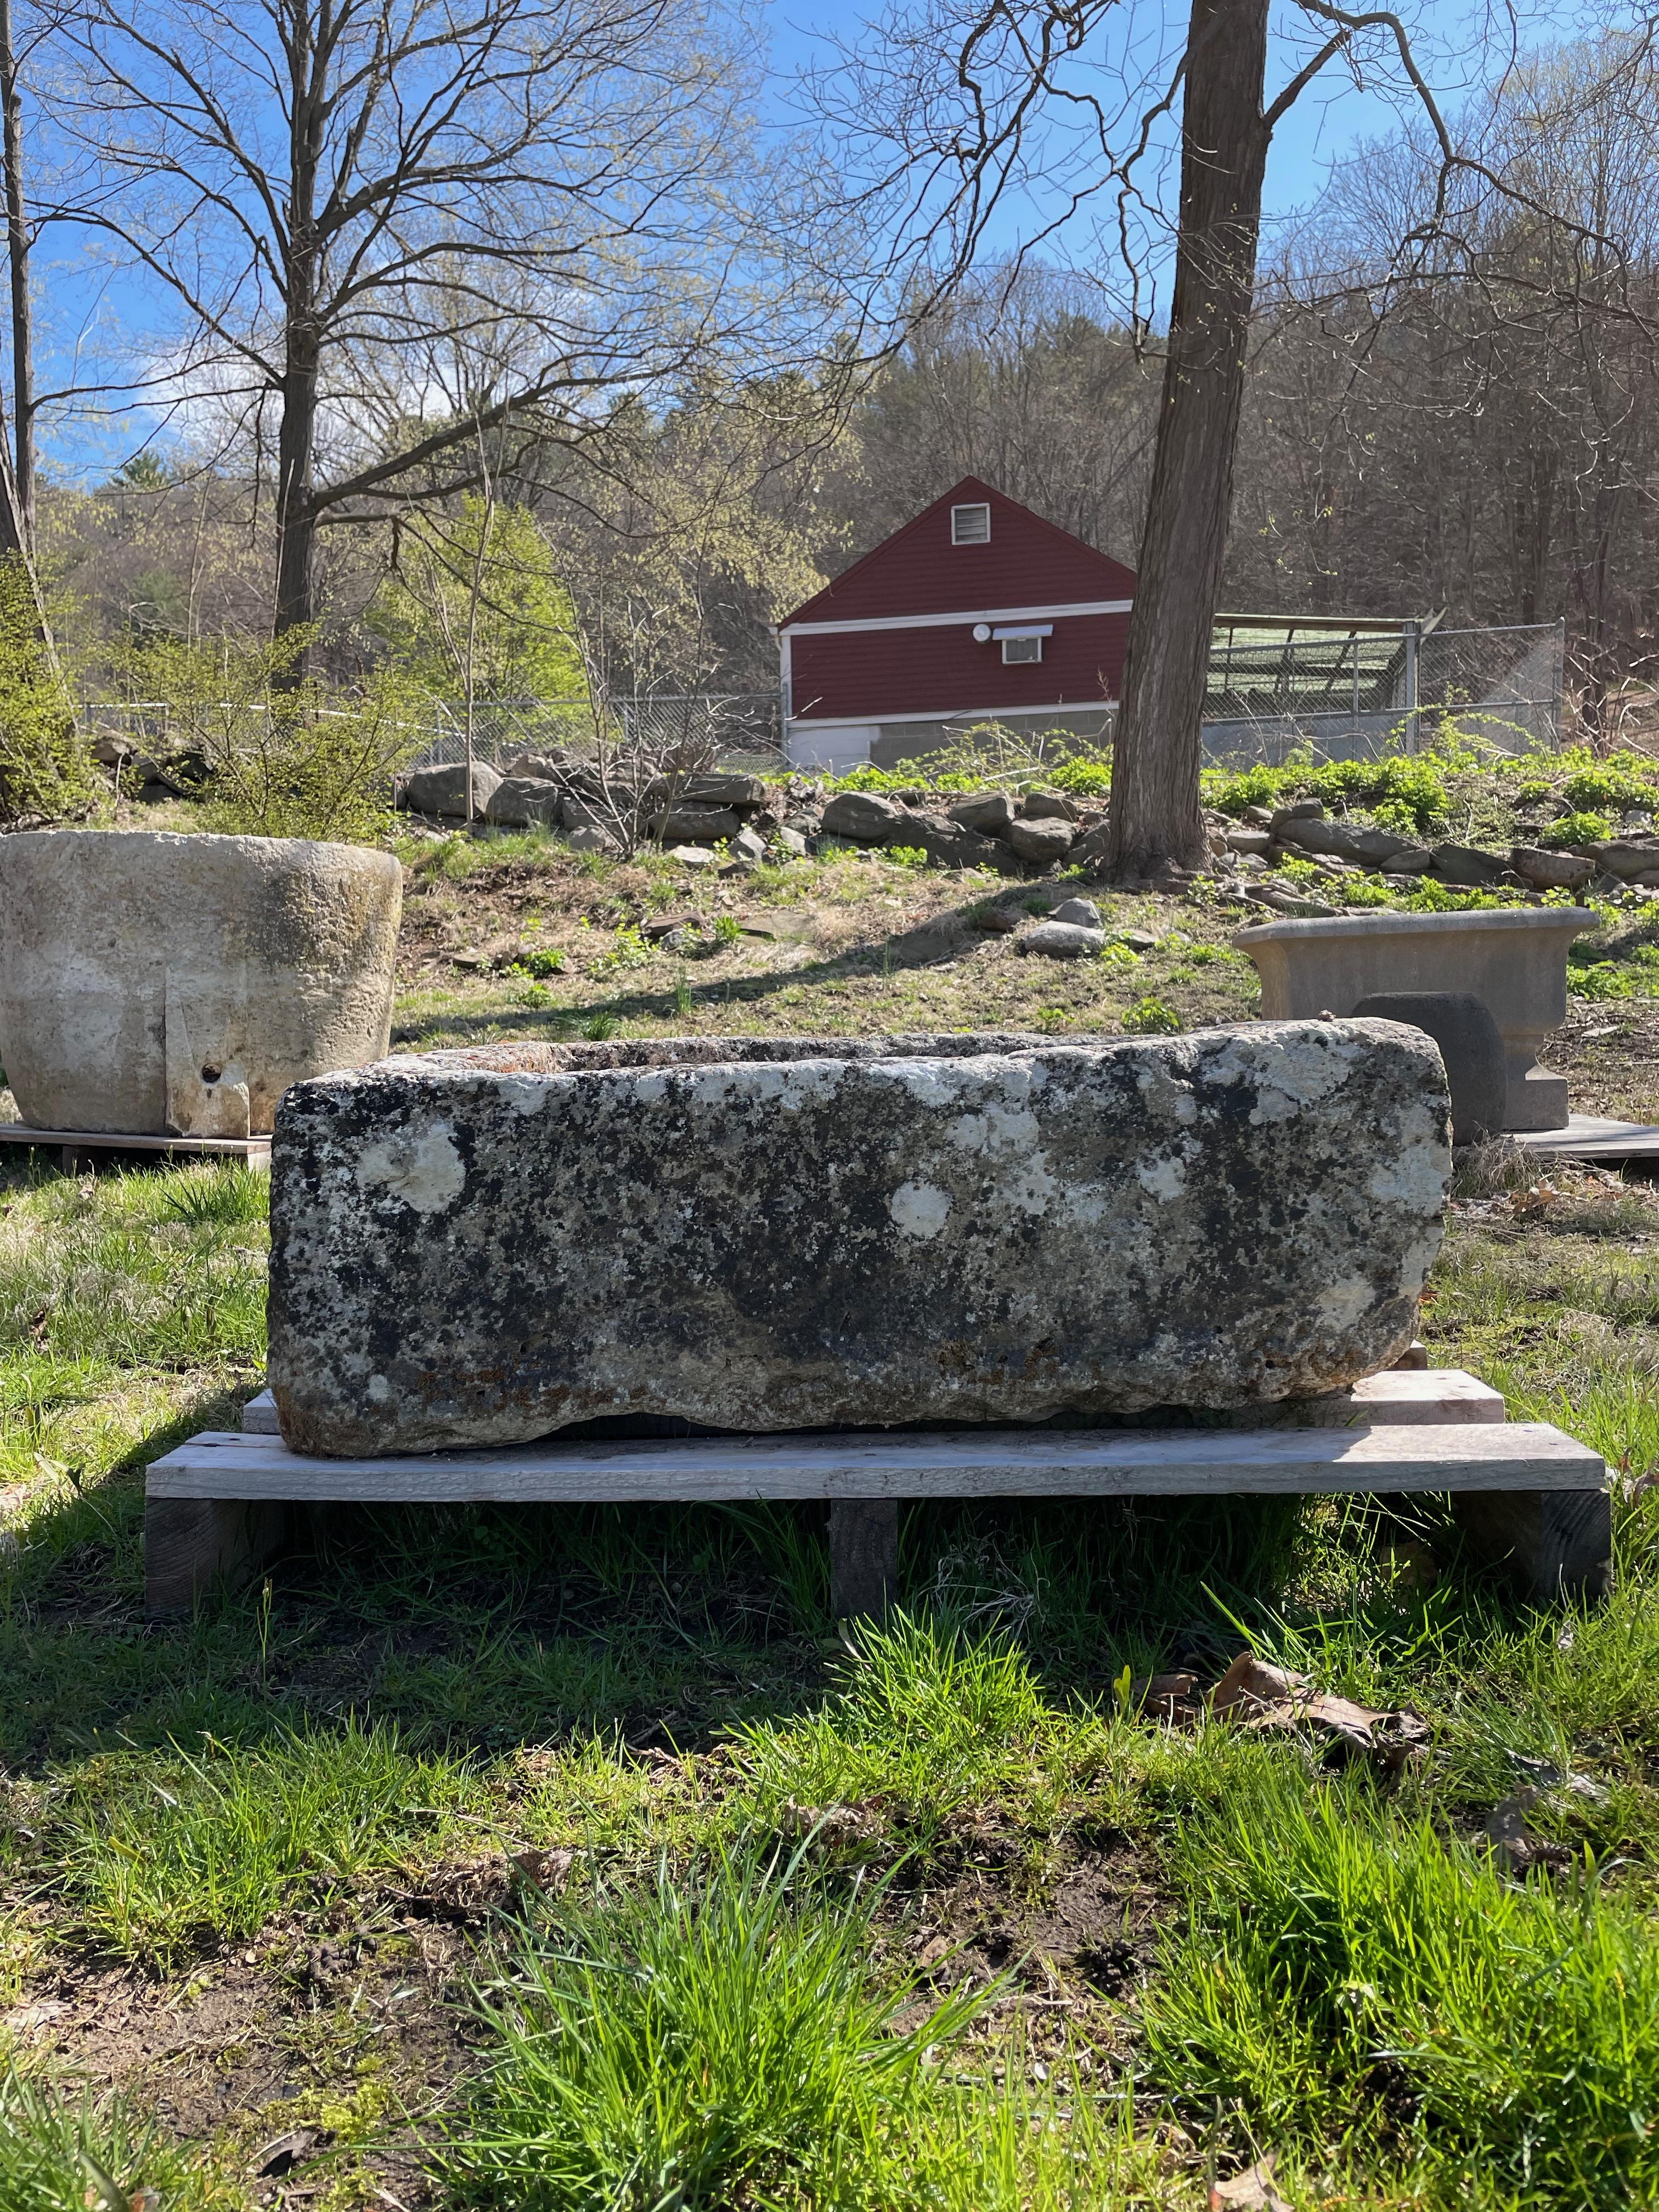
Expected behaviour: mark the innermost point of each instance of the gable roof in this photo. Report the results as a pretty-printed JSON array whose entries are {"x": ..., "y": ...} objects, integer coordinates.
[{"x": 1027, "y": 563}]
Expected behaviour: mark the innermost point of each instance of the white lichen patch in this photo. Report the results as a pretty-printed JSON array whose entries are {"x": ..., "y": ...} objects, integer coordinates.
[
  {"x": 1165, "y": 1178},
  {"x": 919, "y": 1210},
  {"x": 422, "y": 1169},
  {"x": 1342, "y": 1304},
  {"x": 1295, "y": 1066}
]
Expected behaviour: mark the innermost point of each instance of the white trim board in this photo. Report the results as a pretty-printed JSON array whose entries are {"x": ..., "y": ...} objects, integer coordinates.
[
  {"x": 988, "y": 1463},
  {"x": 947, "y": 714},
  {"x": 968, "y": 617}
]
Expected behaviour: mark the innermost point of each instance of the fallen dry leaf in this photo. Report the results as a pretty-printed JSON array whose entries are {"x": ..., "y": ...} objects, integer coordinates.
[
  {"x": 1267, "y": 1698},
  {"x": 283, "y": 2153},
  {"x": 1252, "y": 2191},
  {"x": 1171, "y": 1698},
  {"x": 549, "y": 1871}
]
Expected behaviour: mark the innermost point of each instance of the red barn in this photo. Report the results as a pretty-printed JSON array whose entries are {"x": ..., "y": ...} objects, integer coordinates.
[{"x": 977, "y": 609}]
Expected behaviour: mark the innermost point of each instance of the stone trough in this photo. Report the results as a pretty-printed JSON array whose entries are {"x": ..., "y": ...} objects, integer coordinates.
[
  {"x": 486, "y": 1247},
  {"x": 709, "y": 1269},
  {"x": 157, "y": 985}
]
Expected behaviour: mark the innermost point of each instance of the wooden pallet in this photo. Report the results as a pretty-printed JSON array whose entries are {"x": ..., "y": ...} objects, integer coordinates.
[
  {"x": 1525, "y": 1492},
  {"x": 254, "y": 1152}
]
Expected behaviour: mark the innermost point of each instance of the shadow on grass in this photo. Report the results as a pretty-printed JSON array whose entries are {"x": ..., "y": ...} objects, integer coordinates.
[{"x": 944, "y": 936}]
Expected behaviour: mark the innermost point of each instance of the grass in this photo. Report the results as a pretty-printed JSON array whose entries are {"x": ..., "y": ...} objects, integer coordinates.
[{"x": 571, "y": 1857}]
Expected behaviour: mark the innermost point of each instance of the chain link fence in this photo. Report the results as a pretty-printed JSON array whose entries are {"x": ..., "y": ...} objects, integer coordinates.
[
  {"x": 1360, "y": 693},
  {"x": 741, "y": 729}
]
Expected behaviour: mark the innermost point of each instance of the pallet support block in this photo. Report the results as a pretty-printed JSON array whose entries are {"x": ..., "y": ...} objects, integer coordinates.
[
  {"x": 1554, "y": 1543},
  {"x": 192, "y": 1543},
  {"x": 863, "y": 1557}
]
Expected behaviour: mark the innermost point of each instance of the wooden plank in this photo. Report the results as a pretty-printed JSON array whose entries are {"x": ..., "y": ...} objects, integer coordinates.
[
  {"x": 192, "y": 1543},
  {"x": 973, "y": 1463},
  {"x": 863, "y": 1559},
  {"x": 1552, "y": 1543},
  {"x": 1593, "y": 1137},
  {"x": 1437, "y": 1394},
  {"x": 255, "y": 1151}
]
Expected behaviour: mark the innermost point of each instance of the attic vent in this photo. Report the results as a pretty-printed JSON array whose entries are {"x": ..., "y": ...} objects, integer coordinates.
[{"x": 971, "y": 526}]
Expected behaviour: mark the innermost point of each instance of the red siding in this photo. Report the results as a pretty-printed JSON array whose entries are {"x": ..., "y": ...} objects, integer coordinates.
[
  {"x": 1028, "y": 563},
  {"x": 871, "y": 675}
]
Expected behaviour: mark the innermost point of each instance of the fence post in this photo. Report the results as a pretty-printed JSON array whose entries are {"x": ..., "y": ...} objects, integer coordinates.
[{"x": 1413, "y": 741}]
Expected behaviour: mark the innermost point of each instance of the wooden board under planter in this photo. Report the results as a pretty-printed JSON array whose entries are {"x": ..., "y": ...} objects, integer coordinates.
[{"x": 1525, "y": 1492}]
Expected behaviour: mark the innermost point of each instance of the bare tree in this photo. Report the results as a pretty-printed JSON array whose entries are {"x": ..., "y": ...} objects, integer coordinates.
[
  {"x": 984, "y": 105},
  {"x": 325, "y": 190}
]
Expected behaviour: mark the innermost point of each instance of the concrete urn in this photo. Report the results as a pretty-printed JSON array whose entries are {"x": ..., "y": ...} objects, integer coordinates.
[
  {"x": 157, "y": 984},
  {"x": 1513, "y": 958}
]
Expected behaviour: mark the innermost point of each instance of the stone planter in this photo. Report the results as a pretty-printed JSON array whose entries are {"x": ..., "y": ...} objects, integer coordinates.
[
  {"x": 480, "y": 1248},
  {"x": 1514, "y": 958},
  {"x": 157, "y": 984}
]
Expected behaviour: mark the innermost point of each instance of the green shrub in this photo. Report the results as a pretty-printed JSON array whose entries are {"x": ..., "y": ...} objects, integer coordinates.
[
  {"x": 1406, "y": 791},
  {"x": 285, "y": 757},
  {"x": 46, "y": 773},
  {"x": 727, "y": 929},
  {"x": 907, "y": 856}
]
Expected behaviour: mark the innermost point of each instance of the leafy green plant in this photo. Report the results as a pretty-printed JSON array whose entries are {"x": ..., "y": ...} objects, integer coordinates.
[
  {"x": 600, "y": 1027},
  {"x": 727, "y": 929},
  {"x": 907, "y": 856},
  {"x": 46, "y": 773},
  {"x": 1576, "y": 829},
  {"x": 546, "y": 960},
  {"x": 286, "y": 756},
  {"x": 629, "y": 948},
  {"x": 717, "y": 2040},
  {"x": 1151, "y": 1017}
]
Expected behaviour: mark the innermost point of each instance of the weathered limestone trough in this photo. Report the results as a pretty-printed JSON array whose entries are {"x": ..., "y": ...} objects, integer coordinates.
[
  {"x": 1514, "y": 958},
  {"x": 481, "y": 1248},
  {"x": 156, "y": 984}
]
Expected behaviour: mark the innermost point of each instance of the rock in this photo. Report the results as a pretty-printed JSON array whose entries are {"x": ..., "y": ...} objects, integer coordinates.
[
  {"x": 695, "y": 825},
  {"x": 990, "y": 812},
  {"x": 540, "y": 766},
  {"x": 443, "y": 790},
  {"x": 1302, "y": 809},
  {"x": 1138, "y": 941},
  {"x": 793, "y": 842},
  {"x": 692, "y": 856},
  {"x": 948, "y": 845},
  {"x": 1626, "y": 857},
  {"x": 1471, "y": 1045},
  {"x": 1041, "y": 805},
  {"x": 1043, "y": 842},
  {"x": 1414, "y": 860},
  {"x": 749, "y": 845},
  {"x": 716, "y": 789},
  {"x": 1247, "y": 841},
  {"x": 1467, "y": 863},
  {"x": 1082, "y": 911},
  {"x": 152, "y": 984},
  {"x": 864, "y": 817},
  {"x": 1089, "y": 850},
  {"x": 1061, "y": 940},
  {"x": 484, "y": 1247},
  {"x": 589, "y": 837},
  {"x": 1343, "y": 841},
  {"x": 524, "y": 802},
  {"x": 1260, "y": 817},
  {"x": 1551, "y": 872}
]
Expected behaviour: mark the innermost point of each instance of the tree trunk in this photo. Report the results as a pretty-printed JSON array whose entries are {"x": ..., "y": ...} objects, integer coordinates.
[
  {"x": 18, "y": 524},
  {"x": 296, "y": 436},
  {"x": 1157, "y": 819},
  {"x": 296, "y": 513}
]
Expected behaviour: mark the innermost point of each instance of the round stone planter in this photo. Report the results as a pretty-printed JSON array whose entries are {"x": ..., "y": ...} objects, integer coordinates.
[
  {"x": 1514, "y": 958},
  {"x": 163, "y": 985}
]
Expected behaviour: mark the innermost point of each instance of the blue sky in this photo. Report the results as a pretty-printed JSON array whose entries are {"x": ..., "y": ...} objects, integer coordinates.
[{"x": 1460, "y": 45}]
